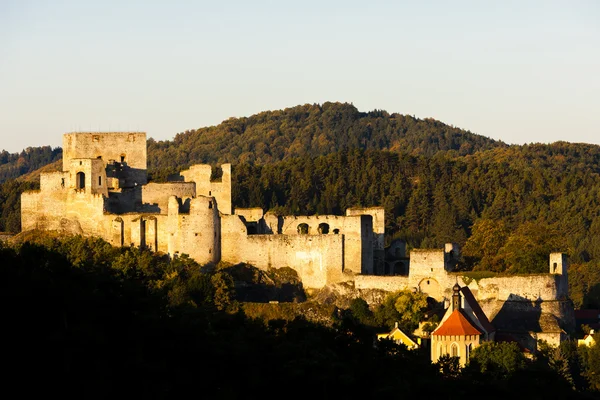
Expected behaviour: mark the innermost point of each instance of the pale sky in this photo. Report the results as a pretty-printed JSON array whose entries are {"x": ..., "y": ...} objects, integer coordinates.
[{"x": 518, "y": 71}]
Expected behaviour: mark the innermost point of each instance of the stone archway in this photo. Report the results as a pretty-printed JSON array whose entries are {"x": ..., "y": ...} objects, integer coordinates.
[
  {"x": 432, "y": 288},
  {"x": 80, "y": 181}
]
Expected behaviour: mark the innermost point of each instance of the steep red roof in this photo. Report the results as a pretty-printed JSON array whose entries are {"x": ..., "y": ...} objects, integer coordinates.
[{"x": 456, "y": 324}]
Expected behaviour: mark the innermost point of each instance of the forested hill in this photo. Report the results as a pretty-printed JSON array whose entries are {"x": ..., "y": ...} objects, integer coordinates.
[
  {"x": 508, "y": 206},
  {"x": 311, "y": 130},
  {"x": 13, "y": 165}
]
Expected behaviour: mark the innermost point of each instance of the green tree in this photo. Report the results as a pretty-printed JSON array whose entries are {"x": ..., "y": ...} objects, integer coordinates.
[
  {"x": 497, "y": 360},
  {"x": 483, "y": 246}
]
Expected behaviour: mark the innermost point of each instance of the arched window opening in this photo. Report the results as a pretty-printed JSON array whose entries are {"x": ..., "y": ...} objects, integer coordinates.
[
  {"x": 210, "y": 204},
  {"x": 468, "y": 349},
  {"x": 99, "y": 181},
  {"x": 555, "y": 265},
  {"x": 336, "y": 231},
  {"x": 303, "y": 229},
  {"x": 122, "y": 158},
  {"x": 324, "y": 228},
  {"x": 80, "y": 180},
  {"x": 454, "y": 350},
  {"x": 441, "y": 350}
]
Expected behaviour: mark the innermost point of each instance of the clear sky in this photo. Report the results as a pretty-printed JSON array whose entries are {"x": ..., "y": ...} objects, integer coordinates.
[{"x": 518, "y": 71}]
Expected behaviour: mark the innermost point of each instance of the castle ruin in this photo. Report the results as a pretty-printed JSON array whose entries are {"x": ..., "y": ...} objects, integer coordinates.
[{"x": 103, "y": 191}]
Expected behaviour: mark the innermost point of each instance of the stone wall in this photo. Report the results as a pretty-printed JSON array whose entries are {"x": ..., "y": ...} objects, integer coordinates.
[
  {"x": 318, "y": 259},
  {"x": 220, "y": 190},
  {"x": 378, "y": 214},
  {"x": 250, "y": 214},
  {"x": 538, "y": 287},
  {"x": 358, "y": 246},
  {"x": 54, "y": 181},
  {"x": 155, "y": 196},
  {"x": 387, "y": 283},
  {"x": 197, "y": 232},
  {"x": 126, "y": 147}
]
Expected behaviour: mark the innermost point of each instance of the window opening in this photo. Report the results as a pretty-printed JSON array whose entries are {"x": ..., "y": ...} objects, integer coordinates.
[
  {"x": 303, "y": 229},
  {"x": 80, "y": 180},
  {"x": 324, "y": 228}
]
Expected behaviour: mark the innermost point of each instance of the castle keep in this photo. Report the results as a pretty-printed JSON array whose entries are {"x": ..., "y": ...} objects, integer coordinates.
[{"x": 103, "y": 191}]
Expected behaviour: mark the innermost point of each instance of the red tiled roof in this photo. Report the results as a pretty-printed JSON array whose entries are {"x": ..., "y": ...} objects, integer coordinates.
[{"x": 456, "y": 324}]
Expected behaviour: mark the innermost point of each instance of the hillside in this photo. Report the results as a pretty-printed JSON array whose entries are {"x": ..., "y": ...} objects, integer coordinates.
[
  {"x": 310, "y": 130},
  {"x": 506, "y": 205},
  {"x": 13, "y": 165}
]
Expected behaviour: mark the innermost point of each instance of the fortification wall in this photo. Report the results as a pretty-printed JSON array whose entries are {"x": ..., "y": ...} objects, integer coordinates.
[
  {"x": 318, "y": 259},
  {"x": 156, "y": 195},
  {"x": 41, "y": 210},
  {"x": 195, "y": 233},
  {"x": 93, "y": 173},
  {"x": 427, "y": 261},
  {"x": 137, "y": 229},
  {"x": 527, "y": 287},
  {"x": 54, "y": 181},
  {"x": 86, "y": 210},
  {"x": 387, "y": 283},
  {"x": 250, "y": 214},
  {"x": 220, "y": 190},
  {"x": 378, "y": 214},
  {"x": 128, "y": 147},
  {"x": 358, "y": 250}
]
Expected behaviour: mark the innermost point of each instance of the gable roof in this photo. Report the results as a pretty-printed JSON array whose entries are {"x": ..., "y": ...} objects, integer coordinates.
[
  {"x": 483, "y": 319},
  {"x": 457, "y": 324},
  {"x": 397, "y": 335}
]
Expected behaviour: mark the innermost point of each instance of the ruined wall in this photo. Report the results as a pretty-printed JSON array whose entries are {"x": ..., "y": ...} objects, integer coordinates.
[
  {"x": 387, "y": 283},
  {"x": 125, "y": 200},
  {"x": 54, "y": 181},
  {"x": 126, "y": 147},
  {"x": 317, "y": 259},
  {"x": 220, "y": 190},
  {"x": 518, "y": 287},
  {"x": 137, "y": 229},
  {"x": 197, "y": 232},
  {"x": 378, "y": 214},
  {"x": 155, "y": 196},
  {"x": 358, "y": 250},
  {"x": 250, "y": 214},
  {"x": 58, "y": 205},
  {"x": 94, "y": 176}
]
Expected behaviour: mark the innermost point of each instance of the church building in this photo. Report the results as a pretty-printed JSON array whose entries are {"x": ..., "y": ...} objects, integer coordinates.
[{"x": 463, "y": 328}]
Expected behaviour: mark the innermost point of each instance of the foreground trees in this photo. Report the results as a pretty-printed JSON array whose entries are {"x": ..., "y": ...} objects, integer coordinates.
[{"x": 85, "y": 319}]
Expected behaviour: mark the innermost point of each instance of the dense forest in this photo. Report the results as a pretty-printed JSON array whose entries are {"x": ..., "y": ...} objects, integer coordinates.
[
  {"x": 507, "y": 206},
  {"x": 89, "y": 320},
  {"x": 13, "y": 165}
]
